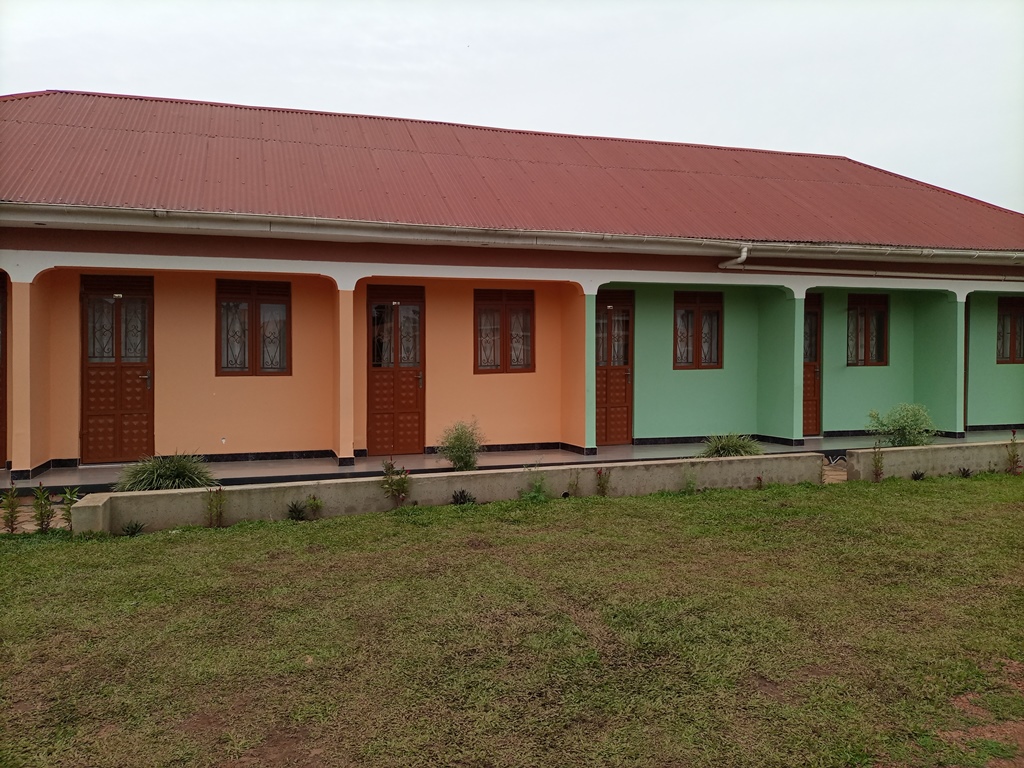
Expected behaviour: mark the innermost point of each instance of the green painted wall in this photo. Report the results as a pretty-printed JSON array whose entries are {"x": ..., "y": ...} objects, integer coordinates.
[
  {"x": 849, "y": 392},
  {"x": 780, "y": 364},
  {"x": 590, "y": 393},
  {"x": 995, "y": 393},
  {"x": 753, "y": 392},
  {"x": 939, "y": 358}
]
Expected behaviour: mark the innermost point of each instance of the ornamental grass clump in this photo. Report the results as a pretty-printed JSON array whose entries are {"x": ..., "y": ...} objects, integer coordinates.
[
  {"x": 904, "y": 424},
  {"x": 459, "y": 445},
  {"x": 165, "y": 473},
  {"x": 720, "y": 446}
]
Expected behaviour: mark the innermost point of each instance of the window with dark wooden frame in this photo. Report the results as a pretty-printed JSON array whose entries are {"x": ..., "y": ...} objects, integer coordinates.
[
  {"x": 698, "y": 330},
  {"x": 867, "y": 329},
  {"x": 503, "y": 332},
  {"x": 1010, "y": 330},
  {"x": 253, "y": 328}
]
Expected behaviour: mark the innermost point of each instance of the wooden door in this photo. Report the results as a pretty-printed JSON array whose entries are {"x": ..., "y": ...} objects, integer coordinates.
[
  {"x": 117, "y": 368},
  {"x": 812, "y": 364},
  {"x": 614, "y": 363},
  {"x": 395, "y": 414}
]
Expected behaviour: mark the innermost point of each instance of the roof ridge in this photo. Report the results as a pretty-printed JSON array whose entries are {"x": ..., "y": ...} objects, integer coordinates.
[{"x": 471, "y": 126}]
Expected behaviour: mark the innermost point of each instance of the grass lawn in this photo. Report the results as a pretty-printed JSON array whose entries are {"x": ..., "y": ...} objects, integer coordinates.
[{"x": 851, "y": 624}]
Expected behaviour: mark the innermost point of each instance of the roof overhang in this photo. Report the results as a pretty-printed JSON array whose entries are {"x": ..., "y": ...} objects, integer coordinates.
[{"x": 79, "y": 217}]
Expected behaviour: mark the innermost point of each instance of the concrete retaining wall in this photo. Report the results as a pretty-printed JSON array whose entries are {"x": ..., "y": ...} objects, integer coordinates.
[
  {"x": 933, "y": 460},
  {"x": 168, "y": 509}
]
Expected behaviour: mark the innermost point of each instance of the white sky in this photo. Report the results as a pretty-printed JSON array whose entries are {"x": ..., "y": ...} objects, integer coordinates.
[{"x": 932, "y": 89}]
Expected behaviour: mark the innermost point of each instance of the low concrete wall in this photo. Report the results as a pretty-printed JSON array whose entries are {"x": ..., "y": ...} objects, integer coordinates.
[
  {"x": 351, "y": 496},
  {"x": 933, "y": 460}
]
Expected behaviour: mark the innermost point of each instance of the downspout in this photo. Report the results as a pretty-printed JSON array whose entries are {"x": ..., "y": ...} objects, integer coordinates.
[{"x": 732, "y": 263}]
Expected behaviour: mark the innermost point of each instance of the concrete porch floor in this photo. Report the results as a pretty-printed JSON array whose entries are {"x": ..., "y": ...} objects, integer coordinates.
[{"x": 95, "y": 478}]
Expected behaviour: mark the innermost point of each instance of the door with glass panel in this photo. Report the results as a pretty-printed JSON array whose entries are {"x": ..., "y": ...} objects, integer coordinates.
[
  {"x": 117, "y": 368},
  {"x": 613, "y": 334},
  {"x": 395, "y": 381},
  {"x": 812, "y": 364}
]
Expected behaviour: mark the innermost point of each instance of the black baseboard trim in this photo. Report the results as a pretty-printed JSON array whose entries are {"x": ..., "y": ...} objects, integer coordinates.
[
  {"x": 28, "y": 474},
  {"x": 953, "y": 435},
  {"x": 794, "y": 442},
  {"x": 510, "y": 447},
  {"x": 845, "y": 433},
  {"x": 993, "y": 427},
  {"x": 222, "y": 458},
  {"x": 360, "y": 453},
  {"x": 346, "y": 461},
  {"x": 689, "y": 439}
]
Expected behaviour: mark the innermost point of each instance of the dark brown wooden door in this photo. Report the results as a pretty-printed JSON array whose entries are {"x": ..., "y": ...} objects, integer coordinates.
[
  {"x": 812, "y": 364},
  {"x": 395, "y": 383},
  {"x": 614, "y": 363},
  {"x": 117, "y": 369}
]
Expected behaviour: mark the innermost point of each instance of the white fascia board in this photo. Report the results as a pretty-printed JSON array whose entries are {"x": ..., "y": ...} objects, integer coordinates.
[{"x": 339, "y": 230}]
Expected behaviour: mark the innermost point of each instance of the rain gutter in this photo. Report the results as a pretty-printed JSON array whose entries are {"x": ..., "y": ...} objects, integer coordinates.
[{"x": 102, "y": 218}]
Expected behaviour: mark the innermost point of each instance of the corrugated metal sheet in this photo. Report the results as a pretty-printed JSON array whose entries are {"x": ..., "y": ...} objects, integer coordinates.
[{"x": 101, "y": 150}]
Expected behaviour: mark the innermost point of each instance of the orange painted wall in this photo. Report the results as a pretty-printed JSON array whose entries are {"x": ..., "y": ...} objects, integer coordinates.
[
  {"x": 574, "y": 360},
  {"x": 510, "y": 408},
  {"x": 61, "y": 346},
  {"x": 199, "y": 411}
]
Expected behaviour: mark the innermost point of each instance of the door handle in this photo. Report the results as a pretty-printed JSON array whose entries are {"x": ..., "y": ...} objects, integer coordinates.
[
  {"x": 148, "y": 376},
  {"x": 629, "y": 375},
  {"x": 420, "y": 377}
]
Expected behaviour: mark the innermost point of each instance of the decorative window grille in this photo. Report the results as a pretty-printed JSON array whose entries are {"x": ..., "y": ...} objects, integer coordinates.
[
  {"x": 1010, "y": 330},
  {"x": 253, "y": 328},
  {"x": 867, "y": 329},
  {"x": 698, "y": 330},
  {"x": 503, "y": 331}
]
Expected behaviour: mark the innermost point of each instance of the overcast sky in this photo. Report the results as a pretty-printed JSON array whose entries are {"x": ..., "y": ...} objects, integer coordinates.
[{"x": 932, "y": 89}]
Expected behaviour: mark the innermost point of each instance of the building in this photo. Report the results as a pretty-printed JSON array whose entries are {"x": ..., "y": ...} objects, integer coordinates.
[{"x": 231, "y": 280}]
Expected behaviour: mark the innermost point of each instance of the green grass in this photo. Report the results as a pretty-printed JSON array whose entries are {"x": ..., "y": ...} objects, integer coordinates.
[{"x": 819, "y": 626}]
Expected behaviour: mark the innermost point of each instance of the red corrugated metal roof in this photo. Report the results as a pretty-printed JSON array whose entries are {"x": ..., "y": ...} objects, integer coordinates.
[{"x": 88, "y": 149}]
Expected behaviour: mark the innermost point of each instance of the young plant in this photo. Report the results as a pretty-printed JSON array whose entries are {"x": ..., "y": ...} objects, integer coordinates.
[
  {"x": 395, "y": 482},
  {"x": 297, "y": 510},
  {"x": 604, "y": 479},
  {"x": 315, "y": 505},
  {"x": 918, "y": 474},
  {"x": 965, "y": 472},
  {"x": 42, "y": 509},
  {"x": 904, "y": 424},
  {"x": 574, "y": 482},
  {"x": 462, "y": 496},
  {"x": 68, "y": 499},
  {"x": 132, "y": 528},
  {"x": 718, "y": 446},
  {"x": 877, "y": 463},
  {"x": 460, "y": 443},
  {"x": 536, "y": 491},
  {"x": 215, "y": 500},
  {"x": 11, "y": 504},
  {"x": 160, "y": 473},
  {"x": 1013, "y": 457},
  {"x": 689, "y": 484}
]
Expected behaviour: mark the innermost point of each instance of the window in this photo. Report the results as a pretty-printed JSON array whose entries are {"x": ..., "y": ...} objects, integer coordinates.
[
  {"x": 503, "y": 331},
  {"x": 867, "y": 329},
  {"x": 253, "y": 328},
  {"x": 1010, "y": 330},
  {"x": 698, "y": 330}
]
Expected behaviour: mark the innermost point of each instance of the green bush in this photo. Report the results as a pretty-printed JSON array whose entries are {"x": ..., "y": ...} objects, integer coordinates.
[
  {"x": 717, "y": 446},
  {"x": 164, "y": 473},
  {"x": 904, "y": 424},
  {"x": 460, "y": 443}
]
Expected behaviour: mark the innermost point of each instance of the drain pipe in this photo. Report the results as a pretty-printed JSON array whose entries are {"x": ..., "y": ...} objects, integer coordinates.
[{"x": 744, "y": 252}]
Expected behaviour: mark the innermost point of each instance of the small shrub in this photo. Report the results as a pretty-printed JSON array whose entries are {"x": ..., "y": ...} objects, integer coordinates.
[
  {"x": 689, "y": 484},
  {"x": 918, "y": 474},
  {"x": 877, "y": 463},
  {"x": 68, "y": 499},
  {"x": 904, "y": 424},
  {"x": 215, "y": 500},
  {"x": 132, "y": 528},
  {"x": 574, "y": 484},
  {"x": 297, "y": 510},
  {"x": 732, "y": 444},
  {"x": 965, "y": 472},
  {"x": 604, "y": 479},
  {"x": 462, "y": 496},
  {"x": 536, "y": 492},
  {"x": 42, "y": 509},
  {"x": 11, "y": 503},
  {"x": 315, "y": 505},
  {"x": 759, "y": 482},
  {"x": 460, "y": 443},
  {"x": 1013, "y": 459},
  {"x": 395, "y": 482},
  {"x": 170, "y": 472}
]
